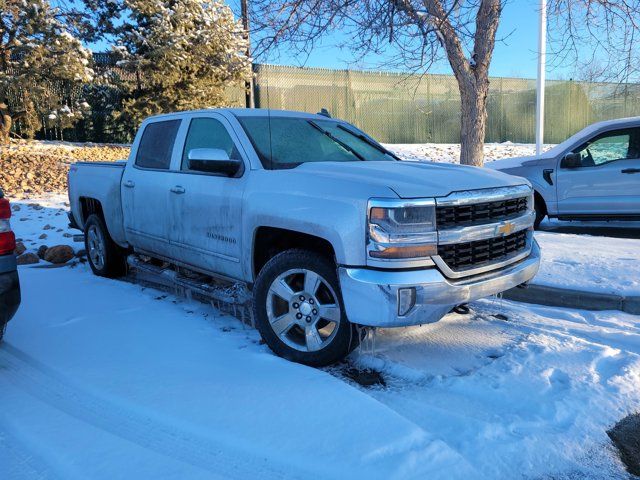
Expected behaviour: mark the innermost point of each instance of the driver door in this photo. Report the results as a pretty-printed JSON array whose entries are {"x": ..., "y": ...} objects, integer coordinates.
[
  {"x": 608, "y": 179},
  {"x": 206, "y": 208}
]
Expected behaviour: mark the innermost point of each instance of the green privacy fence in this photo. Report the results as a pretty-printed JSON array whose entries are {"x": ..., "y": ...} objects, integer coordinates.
[
  {"x": 392, "y": 107},
  {"x": 401, "y": 108}
]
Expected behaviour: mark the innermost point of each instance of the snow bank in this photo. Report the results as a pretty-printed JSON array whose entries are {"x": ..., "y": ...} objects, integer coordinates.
[
  {"x": 450, "y": 152},
  {"x": 589, "y": 263}
]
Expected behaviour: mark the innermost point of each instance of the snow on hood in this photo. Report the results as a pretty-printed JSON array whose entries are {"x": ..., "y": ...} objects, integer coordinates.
[{"x": 413, "y": 179}]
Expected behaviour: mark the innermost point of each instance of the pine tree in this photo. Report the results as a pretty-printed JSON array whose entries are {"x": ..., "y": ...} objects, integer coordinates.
[
  {"x": 41, "y": 63},
  {"x": 180, "y": 54}
]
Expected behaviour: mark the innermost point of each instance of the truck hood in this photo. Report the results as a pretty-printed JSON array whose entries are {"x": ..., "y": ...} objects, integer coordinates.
[{"x": 412, "y": 179}]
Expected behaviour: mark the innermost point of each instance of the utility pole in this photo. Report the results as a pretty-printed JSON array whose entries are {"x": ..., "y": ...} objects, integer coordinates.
[
  {"x": 542, "y": 61},
  {"x": 249, "y": 100}
]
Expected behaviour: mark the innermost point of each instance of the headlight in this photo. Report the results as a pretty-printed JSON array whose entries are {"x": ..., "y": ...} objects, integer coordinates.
[{"x": 401, "y": 229}]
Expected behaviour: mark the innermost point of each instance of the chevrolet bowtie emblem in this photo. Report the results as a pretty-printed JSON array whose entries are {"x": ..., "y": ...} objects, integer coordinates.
[{"x": 506, "y": 228}]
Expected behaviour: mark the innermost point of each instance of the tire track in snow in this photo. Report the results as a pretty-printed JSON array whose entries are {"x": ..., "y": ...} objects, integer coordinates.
[
  {"x": 150, "y": 433},
  {"x": 26, "y": 465}
]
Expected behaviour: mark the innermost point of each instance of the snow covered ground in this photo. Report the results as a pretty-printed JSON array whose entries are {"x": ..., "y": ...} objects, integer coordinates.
[
  {"x": 104, "y": 379},
  {"x": 590, "y": 263},
  {"x": 450, "y": 152}
]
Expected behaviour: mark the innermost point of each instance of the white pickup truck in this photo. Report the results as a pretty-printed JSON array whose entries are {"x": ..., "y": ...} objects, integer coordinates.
[{"x": 324, "y": 226}]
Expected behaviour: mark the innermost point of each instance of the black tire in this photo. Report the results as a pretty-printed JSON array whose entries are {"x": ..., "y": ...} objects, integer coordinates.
[
  {"x": 541, "y": 212},
  {"x": 114, "y": 263},
  {"x": 346, "y": 335}
]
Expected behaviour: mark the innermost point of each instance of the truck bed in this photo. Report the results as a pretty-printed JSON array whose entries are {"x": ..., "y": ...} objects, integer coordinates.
[{"x": 99, "y": 181}]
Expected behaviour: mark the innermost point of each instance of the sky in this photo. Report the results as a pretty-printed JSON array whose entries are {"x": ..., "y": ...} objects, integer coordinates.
[
  {"x": 514, "y": 56},
  {"x": 515, "y": 53}
]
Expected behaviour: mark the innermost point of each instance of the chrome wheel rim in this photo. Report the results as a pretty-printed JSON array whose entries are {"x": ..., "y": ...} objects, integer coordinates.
[
  {"x": 95, "y": 242},
  {"x": 303, "y": 310}
]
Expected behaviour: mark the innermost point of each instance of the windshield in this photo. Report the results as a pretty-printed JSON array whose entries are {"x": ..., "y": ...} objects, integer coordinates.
[{"x": 286, "y": 142}]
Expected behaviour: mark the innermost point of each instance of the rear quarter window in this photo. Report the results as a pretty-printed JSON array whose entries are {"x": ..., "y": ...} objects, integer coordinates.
[{"x": 156, "y": 144}]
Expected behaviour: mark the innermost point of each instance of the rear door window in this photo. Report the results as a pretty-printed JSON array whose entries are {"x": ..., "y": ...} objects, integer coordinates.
[{"x": 156, "y": 144}]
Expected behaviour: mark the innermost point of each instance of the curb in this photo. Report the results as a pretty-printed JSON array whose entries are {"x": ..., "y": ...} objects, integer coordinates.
[{"x": 569, "y": 298}]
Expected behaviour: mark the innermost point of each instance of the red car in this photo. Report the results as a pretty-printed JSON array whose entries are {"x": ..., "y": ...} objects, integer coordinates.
[{"x": 9, "y": 282}]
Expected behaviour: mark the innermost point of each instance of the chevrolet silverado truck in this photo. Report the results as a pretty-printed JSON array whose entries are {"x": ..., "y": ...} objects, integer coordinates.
[
  {"x": 593, "y": 175},
  {"x": 325, "y": 227}
]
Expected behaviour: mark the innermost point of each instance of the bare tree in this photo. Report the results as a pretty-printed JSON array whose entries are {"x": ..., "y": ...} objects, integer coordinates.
[{"x": 422, "y": 32}]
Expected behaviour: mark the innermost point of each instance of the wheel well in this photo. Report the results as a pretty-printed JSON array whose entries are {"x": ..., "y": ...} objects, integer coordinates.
[
  {"x": 269, "y": 241},
  {"x": 539, "y": 201},
  {"x": 89, "y": 206}
]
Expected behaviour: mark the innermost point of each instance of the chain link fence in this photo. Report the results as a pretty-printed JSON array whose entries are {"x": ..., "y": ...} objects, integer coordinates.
[
  {"x": 400, "y": 108},
  {"x": 392, "y": 107}
]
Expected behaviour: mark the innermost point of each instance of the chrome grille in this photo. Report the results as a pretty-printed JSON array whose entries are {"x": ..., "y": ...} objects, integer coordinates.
[
  {"x": 462, "y": 256},
  {"x": 450, "y": 216}
]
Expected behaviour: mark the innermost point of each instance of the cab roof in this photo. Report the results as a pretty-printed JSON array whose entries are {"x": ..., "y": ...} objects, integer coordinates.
[{"x": 247, "y": 112}]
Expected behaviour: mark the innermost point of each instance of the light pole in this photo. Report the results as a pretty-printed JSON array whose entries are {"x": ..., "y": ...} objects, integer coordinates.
[
  {"x": 542, "y": 60},
  {"x": 249, "y": 99}
]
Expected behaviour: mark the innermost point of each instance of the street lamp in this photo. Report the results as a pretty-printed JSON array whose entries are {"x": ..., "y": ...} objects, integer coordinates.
[{"x": 542, "y": 60}]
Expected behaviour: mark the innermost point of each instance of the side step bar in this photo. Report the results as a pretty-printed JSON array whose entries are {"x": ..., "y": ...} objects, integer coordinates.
[{"x": 232, "y": 298}]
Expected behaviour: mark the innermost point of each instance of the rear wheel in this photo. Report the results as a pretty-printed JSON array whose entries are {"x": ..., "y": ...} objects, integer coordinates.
[
  {"x": 105, "y": 257},
  {"x": 299, "y": 310}
]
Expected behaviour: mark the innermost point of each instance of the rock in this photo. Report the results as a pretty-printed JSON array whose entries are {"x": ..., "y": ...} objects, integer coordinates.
[
  {"x": 67, "y": 235},
  {"x": 27, "y": 259},
  {"x": 59, "y": 254},
  {"x": 625, "y": 435},
  {"x": 16, "y": 208},
  {"x": 47, "y": 227},
  {"x": 43, "y": 236},
  {"x": 20, "y": 248},
  {"x": 42, "y": 250}
]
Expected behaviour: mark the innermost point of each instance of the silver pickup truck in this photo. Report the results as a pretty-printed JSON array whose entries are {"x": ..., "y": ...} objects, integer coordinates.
[
  {"x": 593, "y": 175},
  {"x": 326, "y": 228}
]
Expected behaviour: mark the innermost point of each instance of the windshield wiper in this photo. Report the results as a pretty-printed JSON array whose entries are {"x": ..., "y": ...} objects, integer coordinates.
[
  {"x": 368, "y": 141},
  {"x": 346, "y": 146}
]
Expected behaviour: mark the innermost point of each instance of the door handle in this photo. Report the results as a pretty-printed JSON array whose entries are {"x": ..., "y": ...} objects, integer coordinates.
[
  {"x": 178, "y": 189},
  {"x": 129, "y": 184},
  {"x": 631, "y": 170}
]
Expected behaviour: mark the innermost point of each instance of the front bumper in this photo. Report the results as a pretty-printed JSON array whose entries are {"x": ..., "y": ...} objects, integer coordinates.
[{"x": 371, "y": 296}]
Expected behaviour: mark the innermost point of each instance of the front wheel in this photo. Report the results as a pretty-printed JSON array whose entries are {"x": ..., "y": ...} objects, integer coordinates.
[
  {"x": 299, "y": 310},
  {"x": 541, "y": 212}
]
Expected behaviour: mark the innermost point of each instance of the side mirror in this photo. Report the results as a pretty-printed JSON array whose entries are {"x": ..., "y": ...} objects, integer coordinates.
[
  {"x": 212, "y": 160},
  {"x": 571, "y": 160}
]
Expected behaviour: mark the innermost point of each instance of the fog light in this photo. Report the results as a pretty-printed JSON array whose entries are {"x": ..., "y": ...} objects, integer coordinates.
[{"x": 406, "y": 300}]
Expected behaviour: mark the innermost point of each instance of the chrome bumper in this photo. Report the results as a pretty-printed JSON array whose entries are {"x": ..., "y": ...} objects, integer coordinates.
[{"x": 371, "y": 296}]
